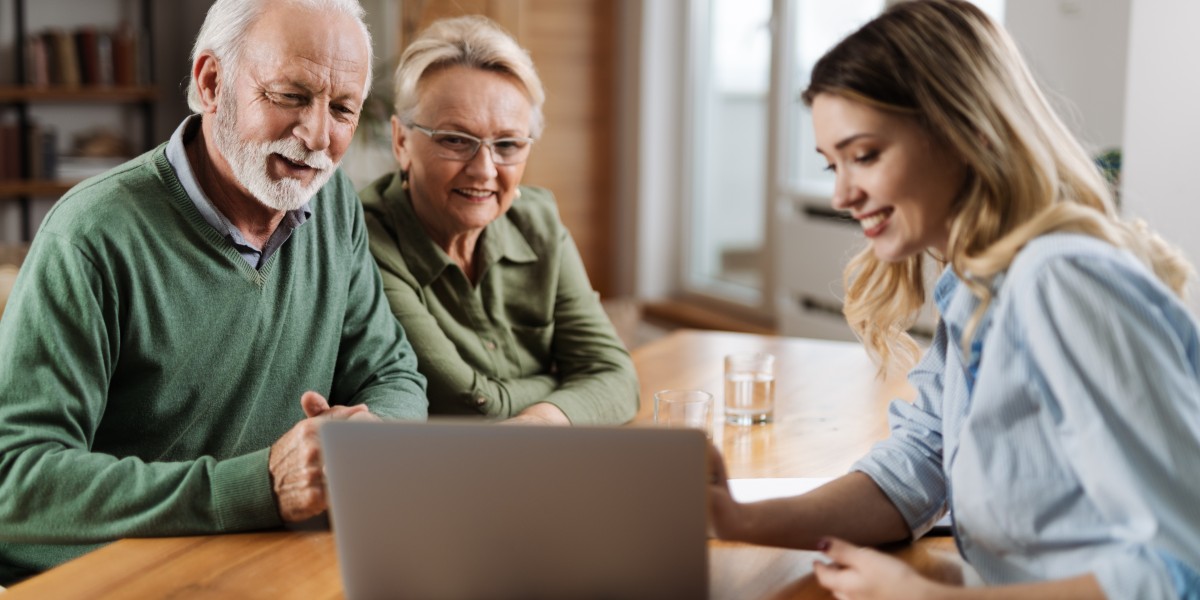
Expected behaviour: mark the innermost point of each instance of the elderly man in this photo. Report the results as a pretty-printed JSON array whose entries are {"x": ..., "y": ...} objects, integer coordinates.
[{"x": 181, "y": 320}]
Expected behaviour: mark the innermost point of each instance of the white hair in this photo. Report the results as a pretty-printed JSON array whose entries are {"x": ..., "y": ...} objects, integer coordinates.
[
  {"x": 227, "y": 22},
  {"x": 470, "y": 41}
]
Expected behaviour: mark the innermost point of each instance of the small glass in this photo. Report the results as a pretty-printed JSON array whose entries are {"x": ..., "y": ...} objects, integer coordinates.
[
  {"x": 749, "y": 388},
  {"x": 684, "y": 408}
]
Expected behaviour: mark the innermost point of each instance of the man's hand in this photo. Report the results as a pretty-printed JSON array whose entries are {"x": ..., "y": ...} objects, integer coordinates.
[{"x": 297, "y": 469}]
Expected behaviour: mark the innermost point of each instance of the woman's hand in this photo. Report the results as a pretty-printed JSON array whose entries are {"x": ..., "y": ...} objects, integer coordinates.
[
  {"x": 542, "y": 413},
  {"x": 859, "y": 573},
  {"x": 726, "y": 516}
]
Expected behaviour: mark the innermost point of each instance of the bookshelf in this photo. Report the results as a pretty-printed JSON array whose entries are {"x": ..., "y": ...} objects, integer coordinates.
[{"x": 91, "y": 85}]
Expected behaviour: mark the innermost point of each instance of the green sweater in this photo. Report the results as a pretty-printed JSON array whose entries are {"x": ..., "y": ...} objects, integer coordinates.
[
  {"x": 531, "y": 331},
  {"x": 146, "y": 368}
]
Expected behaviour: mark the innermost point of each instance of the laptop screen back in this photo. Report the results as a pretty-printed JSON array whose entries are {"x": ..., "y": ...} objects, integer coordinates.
[{"x": 476, "y": 510}]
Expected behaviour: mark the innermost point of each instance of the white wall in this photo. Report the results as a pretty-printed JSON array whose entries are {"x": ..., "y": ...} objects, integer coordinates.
[
  {"x": 1162, "y": 123},
  {"x": 654, "y": 135},
  {"x": 1077, "y": 50}
]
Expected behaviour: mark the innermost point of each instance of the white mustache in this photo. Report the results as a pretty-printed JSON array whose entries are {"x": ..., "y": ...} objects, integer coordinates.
[{"x": 295, "y": 151}]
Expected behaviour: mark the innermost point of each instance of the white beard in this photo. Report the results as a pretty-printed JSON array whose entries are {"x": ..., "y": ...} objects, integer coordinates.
[{"x": 249, "y": 162}]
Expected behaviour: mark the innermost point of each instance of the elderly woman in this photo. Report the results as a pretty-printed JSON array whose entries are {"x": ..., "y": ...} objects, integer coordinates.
[
  {"x": 478, "y": 269},
  {"x": 1058, "y": 406}
]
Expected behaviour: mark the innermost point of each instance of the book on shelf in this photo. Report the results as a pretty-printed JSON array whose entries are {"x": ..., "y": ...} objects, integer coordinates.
[
  {"x": 86, "y": 47},
  {"x": 68, "y": 58},
  {"x": 10, "y": 150},
  {"x": 37, "y": 68},
  {"x": 87, "y": 56},
  {"x": 36, "y": 143},
  {"x": 125, "y": 70},
  {"x": 104, "y": 57},
  {"x": 36, "y": 158},
  {"x": 43, "y": 152}
]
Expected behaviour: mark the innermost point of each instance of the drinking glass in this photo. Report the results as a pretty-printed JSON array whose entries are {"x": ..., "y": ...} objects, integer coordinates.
[
  {"x": 684, "y": 408},
  {"x": 749, "y": 388}
]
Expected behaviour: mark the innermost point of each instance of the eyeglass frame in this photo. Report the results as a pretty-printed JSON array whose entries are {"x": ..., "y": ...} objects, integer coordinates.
[{"x": 479, "y": 143}]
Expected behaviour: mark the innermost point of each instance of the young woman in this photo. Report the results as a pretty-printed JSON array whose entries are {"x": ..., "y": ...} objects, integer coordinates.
[{"x": 1058, "y": 406}]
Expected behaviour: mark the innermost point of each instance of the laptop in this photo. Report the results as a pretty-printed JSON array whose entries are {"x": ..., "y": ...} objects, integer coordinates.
[{"x": 470, "y": 510}]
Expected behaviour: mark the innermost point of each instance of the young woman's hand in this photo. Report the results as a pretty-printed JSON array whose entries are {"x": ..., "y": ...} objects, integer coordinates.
[
  {"x": 860, "y": 573},
  {"x": 724, "y": 513}
]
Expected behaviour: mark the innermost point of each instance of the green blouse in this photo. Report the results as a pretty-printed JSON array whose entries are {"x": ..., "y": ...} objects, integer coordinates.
[{"x": 531, "y": 331}]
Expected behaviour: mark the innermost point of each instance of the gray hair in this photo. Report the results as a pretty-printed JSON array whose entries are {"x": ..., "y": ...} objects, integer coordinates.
[
  {"x": 471, "y": 41},
  {"x": 225, "y": 27}
]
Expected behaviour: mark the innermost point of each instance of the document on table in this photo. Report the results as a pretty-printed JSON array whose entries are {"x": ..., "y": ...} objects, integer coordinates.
[{"x": 753, "y": 490}]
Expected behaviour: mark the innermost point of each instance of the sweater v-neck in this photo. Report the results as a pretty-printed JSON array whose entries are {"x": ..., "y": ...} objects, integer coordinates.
[{"x": 192, "y": 215}]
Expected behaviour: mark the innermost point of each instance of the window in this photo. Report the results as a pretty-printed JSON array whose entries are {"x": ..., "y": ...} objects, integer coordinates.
[
  {"x": 745, "y": 118},
  {"x": 759, "y": 236},
  {"x": 732, "y": 83}
]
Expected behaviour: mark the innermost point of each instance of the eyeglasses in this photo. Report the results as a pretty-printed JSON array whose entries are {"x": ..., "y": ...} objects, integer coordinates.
[{"x": 456, "y": 145}]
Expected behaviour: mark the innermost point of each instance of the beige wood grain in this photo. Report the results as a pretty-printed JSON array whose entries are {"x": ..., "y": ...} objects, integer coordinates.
[
  {"x": 829, "y": 406},
  {"x": 830, "y": 409},
  {"x": 572, "y": 43}
]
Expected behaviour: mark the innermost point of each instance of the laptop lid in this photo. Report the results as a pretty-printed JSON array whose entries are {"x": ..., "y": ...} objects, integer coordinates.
[{"x": 480, "y": 510}]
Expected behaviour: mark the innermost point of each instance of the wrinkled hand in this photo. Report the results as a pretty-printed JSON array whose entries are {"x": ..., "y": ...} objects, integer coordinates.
[
  {"x": 859, "y": 573},
  {"x": 725, "y": 515},
  {"x": 295, "y": 463},
  {"x": 542, "y": 413}
]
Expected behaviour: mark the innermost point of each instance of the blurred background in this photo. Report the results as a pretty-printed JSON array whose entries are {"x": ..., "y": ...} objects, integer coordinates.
[{"x": 680, "y": 155}]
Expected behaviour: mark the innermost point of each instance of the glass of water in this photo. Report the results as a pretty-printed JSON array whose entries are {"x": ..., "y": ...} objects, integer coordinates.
[
  {"x": 749, "y": 388},
  {"x": 684, "y": 408}
]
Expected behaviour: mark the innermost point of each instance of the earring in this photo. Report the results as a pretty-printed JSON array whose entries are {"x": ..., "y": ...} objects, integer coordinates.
[
  {"x": 517, "y": 194},
  {"x": 404, "y": 180}
]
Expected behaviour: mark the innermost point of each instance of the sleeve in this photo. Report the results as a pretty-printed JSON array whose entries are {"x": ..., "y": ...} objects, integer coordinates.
[
  {"x": 447, "y": 373},
  {"x": 59, "y": 342},
  {"x": 1119, "y": 356},
  {"x": 376, "y": 364},
  {"x": 599, "y": 384},
  {"x": 908, "y": 465}
]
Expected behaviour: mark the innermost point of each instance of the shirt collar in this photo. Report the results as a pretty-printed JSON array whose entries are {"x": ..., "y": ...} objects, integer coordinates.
[
  {"x": 957, "y": 304},
  {"x": 178, "y": 158},
  {"x": 500, "y": 240},
  {"x": 944, "y": 289}
]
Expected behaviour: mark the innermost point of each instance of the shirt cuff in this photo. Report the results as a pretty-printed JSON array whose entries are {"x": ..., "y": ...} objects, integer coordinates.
[
  {"x": 907, "y": 489},
  {"x": 1183, "y": 576},
  {"x": 1139, "y": 571},
  {"x": 242, "y": 495}
]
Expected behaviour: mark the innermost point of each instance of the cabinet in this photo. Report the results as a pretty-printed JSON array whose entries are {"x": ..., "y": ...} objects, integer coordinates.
[
  {"x": 131, "y": 90},
  {"x": 817, "y": 243}
]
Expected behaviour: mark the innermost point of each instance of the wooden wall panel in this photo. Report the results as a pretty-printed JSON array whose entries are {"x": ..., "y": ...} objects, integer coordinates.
[{"x": 572, "y": 43}]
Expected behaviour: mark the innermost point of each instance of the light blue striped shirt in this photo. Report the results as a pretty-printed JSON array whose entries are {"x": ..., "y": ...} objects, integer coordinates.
[{"x": 1067, "y": 440}]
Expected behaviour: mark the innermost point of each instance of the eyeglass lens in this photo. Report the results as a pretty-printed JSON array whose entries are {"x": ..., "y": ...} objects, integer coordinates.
[{"x": 460, "y": 146}]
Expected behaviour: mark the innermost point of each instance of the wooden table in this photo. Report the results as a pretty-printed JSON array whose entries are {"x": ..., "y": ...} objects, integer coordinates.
[{"x": 830, "y": 408}]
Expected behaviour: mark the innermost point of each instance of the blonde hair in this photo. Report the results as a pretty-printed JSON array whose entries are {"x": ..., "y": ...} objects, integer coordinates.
[
  {"x": 950, "y": 67},
  {"x": 470, "y": 41}
]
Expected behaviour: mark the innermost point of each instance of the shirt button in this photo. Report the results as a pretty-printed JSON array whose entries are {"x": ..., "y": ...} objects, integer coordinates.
[
  {"x": 490, "y": 345},
  {"x": 481, "y": 401}
]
